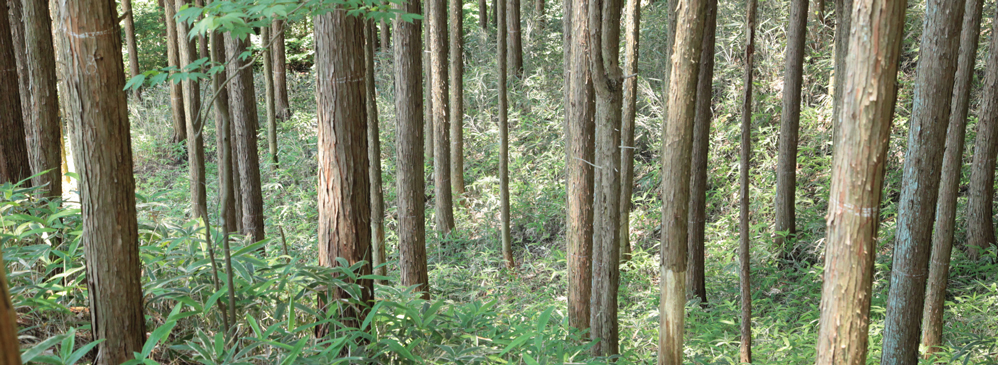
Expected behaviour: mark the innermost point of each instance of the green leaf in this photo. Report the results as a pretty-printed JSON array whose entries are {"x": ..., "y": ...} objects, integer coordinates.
[
  {"x": 135, "y": 82},
  {"x": 160, "y": 333},
  {"x": 40, "y": 348},
  {"x": 81, "y": 352}
]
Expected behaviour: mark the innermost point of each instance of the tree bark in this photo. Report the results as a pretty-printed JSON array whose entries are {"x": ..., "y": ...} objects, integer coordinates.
[
  {"x": 270, "y": 95},
  {"x": 580, "y": 140},
  {"x": 244, "y": 120},
  {"x": 16, "y": 14},
  {"x": 374, "y": 156},
  {"x": 631, "y": 35},
  {"x": 408, "y": 56},
  {"x": 786, "y": 169},
  {"x": 133, "y": 53},
  {"x": 515, "y": 51},
  {"x": 386, "y": 38},
  {"x": 483, "y": 14},
  {"x": 344, "y": 187},
  {"x": 428, "y": 92},
  {"x": 103, "y": 152},
  {"x": 195, "y": 126},
  {"x": 44, "y": 129},
  {"x": 695, "y": 274},
  {"x": 443, "y": 198},
  {"x": 11, "y": 354},
  {"x": 843, "y": 21},
  {"x": 173, "y": 60},
  {"x": 857, "y": 179},
  {"x": 980, "y": 198},
  {"x": 949, "y": 185},
  {"x": 14, "y": 165},
  {"x": 495, "y": 11},
  {"x": 223, "y": 140},
  {"x": 676, "y": 153},
  {"x": 457, "y": 98},
  {"x": 507, "y": 244},
  {"x": 282, "y": 109},
  {"x": 744, "y": 274}
]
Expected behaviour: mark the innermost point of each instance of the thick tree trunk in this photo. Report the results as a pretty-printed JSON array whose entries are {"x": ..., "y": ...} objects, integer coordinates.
[
  {"x": 99, "y": 113},
  {"x": 14, "y": 165},
  {"x": 244, "y": 120},
  {"x": 581, "y": 152},
  {"x": 857, "y": 180},
  {"x": 507, "y": 244},
  {"x": 786, "y": 169},
  {"x": 270, "y": 95},
  {"x": 441, "y": 140},
  {"x": 374, "y": 155},
  {"x": 457, "y": 98},
  {"x": 408, "y": 58},
  {"x": 515, "y": 51},
  {"x": 744, "y": 274},
  {"x": 16, "y": 18},
  {"x": 483, "y": 14},
  {"x": 282, "y": 109},
  {"x": 44, "y": 129},
  {"x": 930, "y": 115},
  {"x": 949, "y": 185},
  {"x": 173, "y": 60},
  {"x": 980, "y": 198},
  {"x": 676, "y": 153},
  {"x": 129, "y": 26},
  {"x": 631, "y": 35},
  {"x": 11, "y": 354},
  {"x": 695, "y": 274},
  {"x": 344, "y": 210}
]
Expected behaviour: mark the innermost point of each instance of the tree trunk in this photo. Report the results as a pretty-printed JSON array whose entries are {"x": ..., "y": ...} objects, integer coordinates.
[
  {"x": 408, "y": 56},
  {"x": 980, "y": 198},
  {"x": 428, "y": 92},
  {"x": 14, "y": 165},
  {"x": 457, "y": 98},
  {"x": 44, "y": 129},
  {"x": 676, "y": 153},
  {"x": 507, "y": 244},
  {"x": 843, "y": 21},
  {"x": 949, "y": 185},
  {"x": 786, "y": 169},
  {"x": 133, "y": 53},
  {"x": 280, "y": 61},
  {"x": 695, "y": 274},
  {"x": 268, "y": 77},
  {"x": 744, "y": 274},
  {"x": 386, "y": 38},
  {"x": 237, "y": 195},
  {"x": 11, "y": 354},
  {"x": 244, "y": 120},
  {"x": 223, "y": 127},
  {"x": 173, "y": 60},
  {"x": 539, "y": 9},
  {"x": 857, "y": 179},
  {"x": 930, "y": 115},
  {"x": 16, "y": 14},
  {"x": 515, "y": 51},
  {"x": 580, "y": 140},
  {"x": 374, "y": 155},
  {"x": 483, "y": 14},
  {"x": 103, "y": 153},
  {"x": 344, "y": 210},
  {"x": 437, "y": 22},
  {"x": 631, "y": 35},
  {"x": 192, "y": 109},
  {"x": 202, "y": 40}
]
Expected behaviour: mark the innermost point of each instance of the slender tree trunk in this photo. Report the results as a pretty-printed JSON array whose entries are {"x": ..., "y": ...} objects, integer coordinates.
[
  {"x": 949, "y": 185},
  {"x": 677, "y": 150},
  {"x": 244, "y": 120},
  {"x": 483, "y": 14},
  {"x": 223, "y": 122},
  {"x": 14, "y": 165},
  {"x": 495, "y": 11},
  {"x": 507, "y": 244},
  {"x": 980, "y": 198},
  {"x": 386, "y": 38},
  {"x": 515, "y": 41},
  {"x": 237, "y": 195},
  {"x": 843, "y": 21},
  {"x": 539, "y": 8},
  {"x": 857, "y": 179},
  {"x": 670, "y": 40},
  {"x": 443, "y": 199},
  {"x": 344, "y": 210},
  {"x": 202, "y": 39},
  {"x": 173, "y": 60},
  {"x": 631, "y": 35},
  {"x": 282, "y": 109},
  {"x": 408, "y": 56},
  {"x": 11, "y": 354},
  {"x": 195, "y": 126},
  {"x": 457, "y": 98},
  {"x": 428, "y": 92},
  {"x": 744, "y": 275},
  {"x": 581, "y": 131},
  {"x": 16, "y": 18},
  {"x": 695, "y": 274},
  {"x": 133, "y": 53},
  {"x": 101, "y": 137},
  {"x": 44, "y": 129},
  {"x": 268, "y": 77},
  {"x": 374, "y": 155},
  {"x": 786, "y": 169},
  {"x": 930, "y": 115}
]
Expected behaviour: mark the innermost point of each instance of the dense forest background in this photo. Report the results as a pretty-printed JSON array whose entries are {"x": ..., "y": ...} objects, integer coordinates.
[{"x": 483, "y": 311}]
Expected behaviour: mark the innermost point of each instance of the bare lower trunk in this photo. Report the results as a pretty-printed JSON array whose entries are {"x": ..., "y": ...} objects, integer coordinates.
[
  {"x": 980, "y": 198},
  {"x": 16, "y": 18},
  {"x": 507, "y": 245},
  {"x": 14, "y": 165},
  {"x": 744, "y": 274},
  {"x": 786, "y": 170},
  {"x": 269, "y": 96},
  {"x": 223, "y": 122},
  {"x": 483, "y": 14},
  {"x": 457, "y": 98},
  {"x": 244, "y": 120},
  {"x": 129, "y": 27},
  {"x": 282, "y": 109},
  {"x": 192, "y": 108},
  {"x": 173, "y": 60},
  {"x": 441, "y": 130},
  {"x": 843, "y": 20},
  {"x": 633, "y": 15},
  {"x": 374, "y": 157},
  {"x": 515, "y": 51},
  {"x": 44, "y": 129}
]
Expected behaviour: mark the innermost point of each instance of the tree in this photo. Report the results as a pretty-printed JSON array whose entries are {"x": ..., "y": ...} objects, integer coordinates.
[
  {"x": 631, "y": 36},
  {"x": 244, "y": 121},
  {"x": 14, "y": 165},
  {"x": 44, "y": 128},
  {"x": 133, "y": 52},
  {"x": 270, "y": 93},
  {"x": 408, "y": 56},
  {"x": 786, "y": 170},
  {"x": 385, "y": 35},
  {"x": 695, "y": 274},
  {"x": 857, "y": 179},
  {"x": 483, "y": 14},
  {"x": 344, "y": 190},
  {"x": 437, "y": 22},
  {"x": 374, "y": 155},
  {"x": 843, "y": 21},
  {"x": 949, "y": 185},
  {"x": 11, "y": 354},
  {"x": 282, "y": 110},
  {"x": 195, "y": 125},
  {"x": 515, "y": 39},
  {"x": 428, "y": 74},
  {"x": 16, "y": 16},
  {"x": 507, "y": 244},
  {"x": 173, "y": 60},
  {"x": 580, "y": 143},
  {"x": 457, "y": 97},
  {"x": 98, "y": 110},
  {"x": 226, "y": 170},
  {"x": 744, "y": 274},
  {"x": 980, "y": 210}
]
